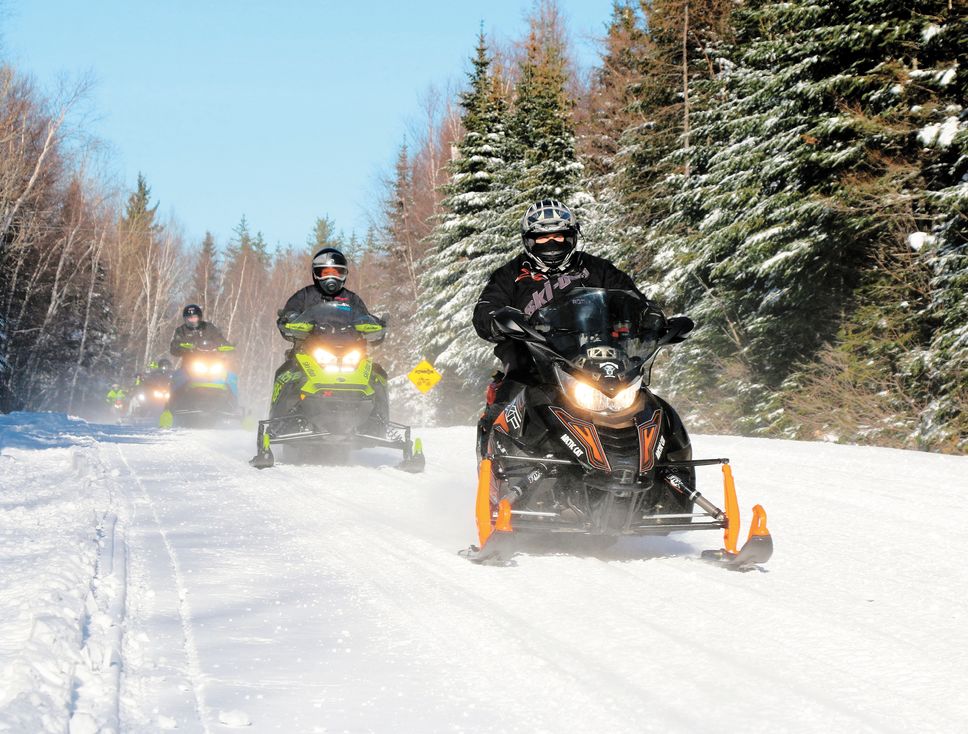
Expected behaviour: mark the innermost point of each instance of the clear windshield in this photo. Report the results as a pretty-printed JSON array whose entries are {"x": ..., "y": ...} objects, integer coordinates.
[
  {"x": 595, "y": 316},
  {"x": 328, "y": 313}
]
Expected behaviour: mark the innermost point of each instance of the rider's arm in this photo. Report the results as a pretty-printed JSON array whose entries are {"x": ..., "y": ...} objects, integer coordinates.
[
  {"x": 614, "y": 278},
  {"x": 360, "y": 309},
  {"x": 294, "y": 306},
  {"x": 180, "y": 344},
  {"x": 215, "y": 337},
  {"x": 496, "y": 294}
]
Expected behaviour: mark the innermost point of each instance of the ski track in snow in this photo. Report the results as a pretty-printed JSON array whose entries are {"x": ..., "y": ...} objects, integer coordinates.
[{"x": 157, "y": 582}]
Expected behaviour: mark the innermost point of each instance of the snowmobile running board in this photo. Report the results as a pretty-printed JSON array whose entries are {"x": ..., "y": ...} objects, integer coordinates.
[{"x": 498, "y": 541}]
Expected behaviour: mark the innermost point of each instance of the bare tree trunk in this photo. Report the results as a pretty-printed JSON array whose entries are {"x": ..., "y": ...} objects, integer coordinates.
[
  {"x": 91, "y": 285},
  {"x": 685, "y": 82}
]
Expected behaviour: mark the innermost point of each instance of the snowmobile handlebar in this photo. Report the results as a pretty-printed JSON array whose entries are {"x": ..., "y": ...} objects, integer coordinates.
[{"x": 512, "y": 323}]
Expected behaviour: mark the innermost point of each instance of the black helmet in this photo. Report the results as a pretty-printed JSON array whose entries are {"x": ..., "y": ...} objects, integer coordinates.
[
  {"x": 192, "y": 311},
  {"x": 329, "y": 270},
  {"x": 547, "y": 217},
  {"x": 164, "y": 364}
]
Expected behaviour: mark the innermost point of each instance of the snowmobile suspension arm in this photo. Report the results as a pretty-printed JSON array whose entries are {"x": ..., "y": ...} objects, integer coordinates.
[
  {"x": 693, "y": 494},
  {"x": 690, "y": 462}
]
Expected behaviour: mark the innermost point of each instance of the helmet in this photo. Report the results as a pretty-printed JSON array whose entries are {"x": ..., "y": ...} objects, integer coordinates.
[
  {"x": 549, "y": 217},
  {"x": 329, "y": 270},
  {"x": 164, "y": 364},
  {"x": 192, "y": 311}
]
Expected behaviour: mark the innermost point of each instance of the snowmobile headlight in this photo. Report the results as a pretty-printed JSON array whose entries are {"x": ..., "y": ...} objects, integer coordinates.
[
  {"x": 351, "y": 360},
  {"x": 591, "y": 398},
  {"x": 158, "y": 394},
  {"x": 141, "y": 396},
  {"x": 326, "y": 360},
  {"x": 216, "y": 368},
  {"x": 199, "y": 367}
]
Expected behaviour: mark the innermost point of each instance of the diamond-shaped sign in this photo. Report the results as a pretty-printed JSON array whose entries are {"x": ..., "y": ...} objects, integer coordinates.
[{"x": 424, "y": 376}]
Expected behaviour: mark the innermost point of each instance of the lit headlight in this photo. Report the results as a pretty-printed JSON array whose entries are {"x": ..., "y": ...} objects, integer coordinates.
[
  {"x": 591, "y": 398},
  {"x": 216, "y": 368},
  {"x": 326, "y": 360},
  {"x": 160, "y": 394},
  {"x": 350, "y": 361},
  {"x": 141, "y": 396},
  {"x": 199, "y": 367}
]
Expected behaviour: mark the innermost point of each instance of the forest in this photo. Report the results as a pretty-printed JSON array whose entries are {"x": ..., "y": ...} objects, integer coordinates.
[{"x": 793, "y": 176}]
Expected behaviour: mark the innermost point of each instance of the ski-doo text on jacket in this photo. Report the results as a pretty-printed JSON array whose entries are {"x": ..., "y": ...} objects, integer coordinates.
[{"x": 522, "y": 285}]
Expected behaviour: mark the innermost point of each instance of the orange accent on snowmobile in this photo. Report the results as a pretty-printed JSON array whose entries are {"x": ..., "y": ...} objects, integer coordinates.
[
  {"x": 587, "y": 435},
  {"x": 758, "y": 524},
  {"x": 503, "y": 524},
  {"x": 731, "y": 532},
  {"x": 648, "y": 435},
  {"x": 483, "y": 509},
  {"x": 502, "y": 422}
]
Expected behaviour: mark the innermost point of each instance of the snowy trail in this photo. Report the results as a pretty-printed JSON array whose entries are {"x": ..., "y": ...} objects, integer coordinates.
[{"x": 332, "y": 599}]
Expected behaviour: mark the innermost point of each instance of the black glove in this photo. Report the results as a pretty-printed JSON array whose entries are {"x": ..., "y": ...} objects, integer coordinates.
[
  {"x": 653, "y": 323},
  {"x": 497, "y": 333}
]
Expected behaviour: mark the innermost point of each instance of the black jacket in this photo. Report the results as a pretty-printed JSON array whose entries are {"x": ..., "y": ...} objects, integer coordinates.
[
  {"x": 309, "y": 296},
  {"x": 521, "y": 285},
  {"x": 205, "y": 332}
]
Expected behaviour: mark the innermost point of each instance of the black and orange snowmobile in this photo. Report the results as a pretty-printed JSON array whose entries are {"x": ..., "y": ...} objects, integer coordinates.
[{"x": 585, "y": 448}]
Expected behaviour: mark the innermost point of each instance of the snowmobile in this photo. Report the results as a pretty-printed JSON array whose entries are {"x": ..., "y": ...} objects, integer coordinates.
[
  {"x": 204, "y": 390},
  {"x": 587, "y": 449},
  {"x": 150, "y": 398},
  {"x": 335, "y": 399}
]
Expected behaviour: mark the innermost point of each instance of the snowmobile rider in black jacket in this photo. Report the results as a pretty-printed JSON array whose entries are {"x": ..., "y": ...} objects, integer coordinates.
[
  {"x": 551, "y": 265},
  {"x": 194, "y": 332},
  {"x": 329, "y": 285}
]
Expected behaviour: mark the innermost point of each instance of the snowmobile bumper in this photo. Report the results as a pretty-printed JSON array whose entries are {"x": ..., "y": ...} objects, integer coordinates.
[
  {"x": 397, "y": 437},
  {"x": 498, "y": 529}
]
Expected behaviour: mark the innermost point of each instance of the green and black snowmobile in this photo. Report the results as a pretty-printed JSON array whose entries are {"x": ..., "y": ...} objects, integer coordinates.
[{"x": 332, "y": 397}]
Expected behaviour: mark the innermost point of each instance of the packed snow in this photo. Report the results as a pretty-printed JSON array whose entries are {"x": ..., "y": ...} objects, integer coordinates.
[{"x": 153, "y": 581}]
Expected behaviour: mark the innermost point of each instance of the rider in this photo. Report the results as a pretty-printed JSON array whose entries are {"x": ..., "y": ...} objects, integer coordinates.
[
  {"x": 194, "y": 332},
  {"x": 551, "y": 265},
  {"x": 115, "y": 394},
  {"x": 329, "y": 270}
]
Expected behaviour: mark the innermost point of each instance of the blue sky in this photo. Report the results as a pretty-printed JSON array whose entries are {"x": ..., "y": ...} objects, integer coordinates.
[{"x": 279, "y": 110}]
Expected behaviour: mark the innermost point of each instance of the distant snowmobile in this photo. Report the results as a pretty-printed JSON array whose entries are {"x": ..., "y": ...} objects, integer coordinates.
[
  {"x": 204, "y": 389},
  {"x": 586, "y": 450},
  {"x": 149, "y": 398},
  {"x": 334, "y": 399}
]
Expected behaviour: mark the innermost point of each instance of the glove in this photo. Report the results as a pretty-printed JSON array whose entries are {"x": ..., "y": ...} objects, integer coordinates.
[
  {"x": 497, "y": 333},
  {"x": 653, "y": 323}
]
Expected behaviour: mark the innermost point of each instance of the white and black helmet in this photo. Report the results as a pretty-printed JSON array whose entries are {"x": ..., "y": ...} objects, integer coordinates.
[
  {"x": 329, "y": 270},
  {"x": 546, "y": 217}
]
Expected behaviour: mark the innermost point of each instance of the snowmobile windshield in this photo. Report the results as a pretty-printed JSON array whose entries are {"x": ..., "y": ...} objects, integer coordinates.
[
  {"x": 332, "y": 314},
  {"x": 587, "y": 318}
]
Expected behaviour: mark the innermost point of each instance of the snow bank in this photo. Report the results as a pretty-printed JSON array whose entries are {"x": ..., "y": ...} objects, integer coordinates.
[{"x": 61, "y": 577}]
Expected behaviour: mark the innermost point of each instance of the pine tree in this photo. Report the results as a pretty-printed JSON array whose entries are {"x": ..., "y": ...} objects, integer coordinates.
[
  {"x": 467, "y": 242},
  {"x": 606, "y": 115},
  {"x": 541, "y": 125},
  {"x": 799, "y": 152},
  {"x": 205, "y": 282},
  {"x": 325, "y": 235}
]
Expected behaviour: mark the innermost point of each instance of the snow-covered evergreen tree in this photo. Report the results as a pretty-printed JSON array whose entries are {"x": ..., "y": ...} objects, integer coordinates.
[
  {"x": 468, "y": 241},
  {"x": 606, "y": 115},
  {"x": 799, "y": 153}
]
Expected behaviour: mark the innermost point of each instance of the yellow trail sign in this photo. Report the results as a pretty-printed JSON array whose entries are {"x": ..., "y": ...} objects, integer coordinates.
[{"x": 424, "y": 376}]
